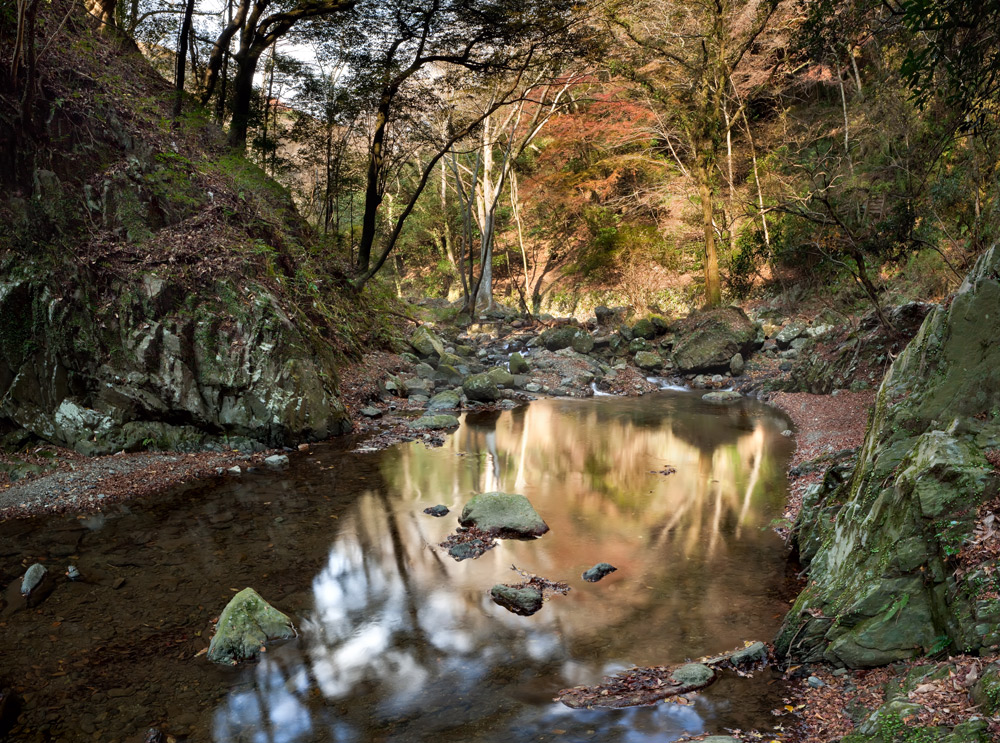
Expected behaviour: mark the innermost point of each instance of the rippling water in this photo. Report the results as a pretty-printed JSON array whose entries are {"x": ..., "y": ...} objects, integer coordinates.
[{"x": 398, "y": 642}]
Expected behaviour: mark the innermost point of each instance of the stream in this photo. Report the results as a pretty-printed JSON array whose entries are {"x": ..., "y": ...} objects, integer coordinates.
[{"x": 398, "y": 641}]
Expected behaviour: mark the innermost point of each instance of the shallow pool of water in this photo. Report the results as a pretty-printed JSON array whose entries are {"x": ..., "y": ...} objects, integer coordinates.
[{"x": 398, "y": 642}]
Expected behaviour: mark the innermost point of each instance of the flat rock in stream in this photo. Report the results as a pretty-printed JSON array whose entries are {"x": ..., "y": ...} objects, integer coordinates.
[{"x": 505, "y": 515}]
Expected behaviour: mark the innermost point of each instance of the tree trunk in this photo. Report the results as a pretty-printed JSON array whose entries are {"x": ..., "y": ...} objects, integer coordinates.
[
  {"x": 373, "y": 192},
  {"x": 713, "y": 287},
  {"x": 180, "y": 68},
  {"x": 246, "y": 66},
  {"x": 220, "y": 51}
]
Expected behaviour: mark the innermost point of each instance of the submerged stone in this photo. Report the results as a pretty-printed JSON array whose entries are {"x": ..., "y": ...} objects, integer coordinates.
[
  {"x": 722, "y": 397},
  {"x": 599, "y": 571},
  {"x": 525, "y": 601},
  {"x": 503, "y": 515},
  {"x": 276, "y": 461},
  {"x": 247, "y": 623},
  {"x": 33, "y": 579}
]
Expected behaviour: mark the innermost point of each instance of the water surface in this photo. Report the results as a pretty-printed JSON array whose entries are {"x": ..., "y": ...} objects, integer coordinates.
[{"x": 398, "y": 642}]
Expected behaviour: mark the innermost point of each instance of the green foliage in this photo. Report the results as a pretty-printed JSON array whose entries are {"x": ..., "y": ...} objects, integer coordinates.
[
  {"x": 743, "y": 266},
  {"x": 614, "y": 242}
]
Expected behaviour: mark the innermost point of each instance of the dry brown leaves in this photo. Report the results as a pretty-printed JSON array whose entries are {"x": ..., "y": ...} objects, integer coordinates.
[{"x": 822, "y": 713}]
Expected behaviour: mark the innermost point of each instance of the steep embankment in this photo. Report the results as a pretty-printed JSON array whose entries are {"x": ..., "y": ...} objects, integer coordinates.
[
  {"x": 155, "y": 289},
  {"x": 896, "y": 565}
]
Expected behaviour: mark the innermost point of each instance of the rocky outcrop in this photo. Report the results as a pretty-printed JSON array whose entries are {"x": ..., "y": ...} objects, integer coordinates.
[
  {"x": 162, "y": 366},
  {"x": 882, "y": 545}
]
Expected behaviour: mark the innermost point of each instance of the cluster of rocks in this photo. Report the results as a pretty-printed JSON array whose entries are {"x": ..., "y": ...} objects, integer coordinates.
[{"x": 496, "y": 515}]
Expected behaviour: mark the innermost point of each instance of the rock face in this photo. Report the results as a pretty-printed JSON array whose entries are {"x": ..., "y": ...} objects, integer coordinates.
[
  {"x": 246, "y": 624},
  {"x": 708, "y": 340},
  {"x": 881, "y": 544},
  {"x": 163, "y": 367},
  {"x": 503, "y": 515}
]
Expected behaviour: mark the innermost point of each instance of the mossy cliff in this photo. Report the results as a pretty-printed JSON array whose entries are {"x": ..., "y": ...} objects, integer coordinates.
[
  {"x": 156, "y": 288},
  {"x": 159, "y": 367},
  {"x": 883, "y": 544}
]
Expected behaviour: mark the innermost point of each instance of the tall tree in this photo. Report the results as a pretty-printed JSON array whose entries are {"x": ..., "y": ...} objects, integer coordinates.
[
  {"x": 258, "y": 29},
  {"x": 180, "y": 67},
  {"x": 684, "y": 54},
  {"x": 401, "y": 42}
]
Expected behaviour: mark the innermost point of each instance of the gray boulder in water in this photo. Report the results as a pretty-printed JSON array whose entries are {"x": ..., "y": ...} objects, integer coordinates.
[
  {"x": 247, "y": 623},
  {"x": 506, "y": 515}
]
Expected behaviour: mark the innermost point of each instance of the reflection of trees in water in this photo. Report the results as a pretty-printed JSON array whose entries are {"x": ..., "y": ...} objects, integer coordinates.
[
  {"x": 403, "y": 642},
  {"x": 591, "y": 462}
]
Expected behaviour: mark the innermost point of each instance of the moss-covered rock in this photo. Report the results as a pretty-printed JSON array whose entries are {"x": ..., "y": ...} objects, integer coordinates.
[
  {"x": 427, "y": 343},
  {"x": 247, "y": 624},
  {"x": 882, "y": 544},
  {"x": 508, "y": 515},
  {"x": 481, "y": 388},
  {"x": 444, "y": 400},
  {"x": 517, "y": 364},
  {"x": 501, "y": 377},
  {"x": 523, "y": 600},
  {"x": 708, "y": 340},
  {"x": 566, "y": 336},
  {"x": 649, "y": 360},
  {"x": 167, "y": 368},
  {"x": 439, "y": 422},
  {"x": 583, "y": 342},
  {"x": 644, "y": 329}
]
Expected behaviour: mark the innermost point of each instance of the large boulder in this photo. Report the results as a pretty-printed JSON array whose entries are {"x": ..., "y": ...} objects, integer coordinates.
[
  {"x": 508, "y": 515},
  {"x": 881, "y": 544},
  {"x": 566, "y": 336},
  {"x": 708, "y": 340},
  {"x": 649, "y": 360},
  {"x": 481, "y": 388},
  {"x": 501, "y": 377},
  {"x": 517, "y": 364},
  {"x": 247, "y": 624},
  {"x": 426, "y": 343}
]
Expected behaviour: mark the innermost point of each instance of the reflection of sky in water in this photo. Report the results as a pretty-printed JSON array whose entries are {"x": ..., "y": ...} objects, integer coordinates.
[{"x": 404, "y": 644}]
